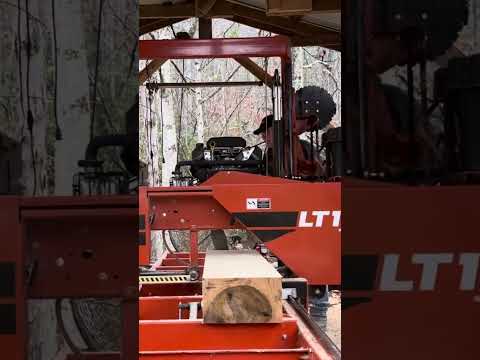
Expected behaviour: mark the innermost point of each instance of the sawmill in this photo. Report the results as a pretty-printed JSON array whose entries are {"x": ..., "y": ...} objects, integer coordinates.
[{"x": 229, "y": 302}]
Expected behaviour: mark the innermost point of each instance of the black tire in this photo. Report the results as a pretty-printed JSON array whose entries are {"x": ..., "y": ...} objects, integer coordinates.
[{"x": 219, "y": 240}]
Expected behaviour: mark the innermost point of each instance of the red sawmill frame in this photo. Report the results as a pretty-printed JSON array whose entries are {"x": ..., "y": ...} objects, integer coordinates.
[
  {"x": 61, "y": 247},
  {"x": 165, "y": 331},
  {"x": 261, "y": 47},
  {"x": 275, "y": 46},
  {"x": 312, "y": 252}
]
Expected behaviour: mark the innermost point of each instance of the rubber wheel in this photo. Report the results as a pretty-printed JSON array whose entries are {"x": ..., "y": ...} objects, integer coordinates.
[{"x": 219, "y": 240}]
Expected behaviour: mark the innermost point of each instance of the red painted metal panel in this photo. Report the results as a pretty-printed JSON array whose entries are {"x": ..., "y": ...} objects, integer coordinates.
[
  {"x": 194, "y": 335},
  {"x": 88, "y": 202},
  {"x": 13, "y": 331},
  {"x": 404, "y": 221},
  {"x": 276, "y": 46},
  {"x": 214, "y": 209},
  {"x": 164, "y": 307},
  {"x": 144, "y": 250},
  {"x": 241, "y": 178},
  {"x": 253, "y": 354},
  {"x": 183, "y": 211},
  {"x": 73, "y": 252},
  {"x": 313, "y": 249}
]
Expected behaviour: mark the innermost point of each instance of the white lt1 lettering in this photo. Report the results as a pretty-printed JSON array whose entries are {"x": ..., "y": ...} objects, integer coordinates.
[
  {"x": 319, "y": 218},
  {"x": 430, "y": 264}
]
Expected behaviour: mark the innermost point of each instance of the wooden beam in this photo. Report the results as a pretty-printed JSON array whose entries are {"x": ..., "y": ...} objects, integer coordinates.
[
  {"x": 262, "y": 26},
  {"x": 322, "y": 6},
  {"x": 240, "y": 287},
  {"x": 150, "y": 69},
  {"x": 283, "y": 25},
  {"x": 326, "y": 5},
  {"x": 221, "y": 9},
  {"x": 149, "y": 25},
  {"x": 280, "y": 23},
  {"x": 203, "y": 7},
  {"x": 325, "y": 38},
  {"x": 287, "y": 8},
  {"x": 256, "y": 70},
  {"x": 157, "y": 11},
  {"x": 204, "y": 28}
]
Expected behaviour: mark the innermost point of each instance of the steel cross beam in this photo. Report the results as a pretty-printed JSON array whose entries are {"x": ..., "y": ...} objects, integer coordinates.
[{"x": 215, "y": 48}]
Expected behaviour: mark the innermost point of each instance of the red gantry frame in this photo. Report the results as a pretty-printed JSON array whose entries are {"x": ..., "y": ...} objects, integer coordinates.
[
  {"x": 260, "y": 47},
  {"x": 300, "y": 224}
]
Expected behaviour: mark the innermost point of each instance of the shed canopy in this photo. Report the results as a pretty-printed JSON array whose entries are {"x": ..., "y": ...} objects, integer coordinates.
[{"x": 305, "y": 22}]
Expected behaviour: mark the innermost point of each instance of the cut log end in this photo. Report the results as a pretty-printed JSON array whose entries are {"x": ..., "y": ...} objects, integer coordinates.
[{"x": 239, "y": 304}]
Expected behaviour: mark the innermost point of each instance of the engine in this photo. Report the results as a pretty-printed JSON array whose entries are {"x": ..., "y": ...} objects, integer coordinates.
[{"x": 218, "y": 154}]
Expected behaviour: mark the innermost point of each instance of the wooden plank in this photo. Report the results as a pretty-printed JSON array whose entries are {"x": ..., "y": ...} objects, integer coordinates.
[
  {"x": 203, "y": 7},
  {"x": 256, "y": 70},
  {"x": 149, "y": 25},
  {"x": 286, "y": 7},
  {"x": 150, "y": 69},
  {"x": 240, "y": 287}
]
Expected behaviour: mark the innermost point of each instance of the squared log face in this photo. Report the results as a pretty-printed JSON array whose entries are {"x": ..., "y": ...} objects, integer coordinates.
[{"x": 240, "y": 287}]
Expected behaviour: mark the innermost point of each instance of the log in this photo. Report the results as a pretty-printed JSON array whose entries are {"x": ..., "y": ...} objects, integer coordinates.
[{"x": 240, "y": 287}]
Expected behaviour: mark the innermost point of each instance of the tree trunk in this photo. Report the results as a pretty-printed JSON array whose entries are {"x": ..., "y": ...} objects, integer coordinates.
[
  {"x": 73, "y": 99},
  {"x": 199, "y": 104},
  {"x": 169, "y": 132},
  {"x": 298, "y": 63}
]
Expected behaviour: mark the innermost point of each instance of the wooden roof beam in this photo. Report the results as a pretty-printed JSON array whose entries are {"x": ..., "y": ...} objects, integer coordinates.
[
  {"x": 287, "y": 8},
  {"x": 158, "y": 11},
  {"x": 152, "y": 67},
  {"x": 256, "y": 70},
  {"x": 148, "y": 25},
  {"x": 203, "y": 7},
  {"x": 284, "y": 24},
  {"x": 326, "y": 6}
]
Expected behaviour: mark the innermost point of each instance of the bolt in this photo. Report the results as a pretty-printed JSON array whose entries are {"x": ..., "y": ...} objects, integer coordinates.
[
  {"x": 182, "y": 220},
  {"x": 103, "y": 276},
  {"x": 424, "y": 16},
  {"x": 164, "y": 214},
  {"x": 60, "y": 262},
  {"x": 317, "y": 291},
  {"x": 284, "y": 337},
  {"x": 212, "y": 210},
  {"x": 398, "y": 16}
]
